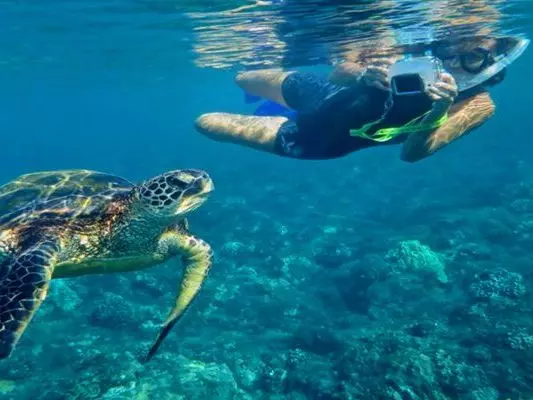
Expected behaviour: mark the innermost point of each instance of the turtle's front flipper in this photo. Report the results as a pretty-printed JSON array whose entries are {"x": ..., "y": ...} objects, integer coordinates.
[
  {"x": 24, "y": 281},
  {"x": 197, "y": 258}
]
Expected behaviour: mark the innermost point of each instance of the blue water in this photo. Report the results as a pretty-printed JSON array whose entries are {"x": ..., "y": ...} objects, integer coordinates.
[{"x": 300, "y": 303}]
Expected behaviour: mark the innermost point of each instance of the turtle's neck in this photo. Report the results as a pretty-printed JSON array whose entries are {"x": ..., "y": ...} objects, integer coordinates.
[{"x": 140, "y": 230}]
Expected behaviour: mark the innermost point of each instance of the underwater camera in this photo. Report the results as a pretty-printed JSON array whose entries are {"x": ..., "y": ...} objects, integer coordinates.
[{"x": 413, "y": 75}]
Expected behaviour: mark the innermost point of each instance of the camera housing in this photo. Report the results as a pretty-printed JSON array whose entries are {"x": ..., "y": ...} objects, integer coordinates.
[{"x": 413, "y": 75}]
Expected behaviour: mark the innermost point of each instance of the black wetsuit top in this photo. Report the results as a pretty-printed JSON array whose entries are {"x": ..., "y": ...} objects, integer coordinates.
[{"x": 326, "y": 113}]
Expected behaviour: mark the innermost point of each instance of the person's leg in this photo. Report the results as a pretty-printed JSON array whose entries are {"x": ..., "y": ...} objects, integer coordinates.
[
  {"x": 300, "y": 91},
  {"x": 264, "y": 83},
  {"x": 256, "y": 132}
]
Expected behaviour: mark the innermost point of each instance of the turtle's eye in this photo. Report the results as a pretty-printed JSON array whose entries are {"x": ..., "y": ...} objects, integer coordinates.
[
  {"x": 176, "y": 192},
  {"x": 184, "y": 183},
  {"x": 164, "y": 192},
  {"x": 177, "y": 183}
]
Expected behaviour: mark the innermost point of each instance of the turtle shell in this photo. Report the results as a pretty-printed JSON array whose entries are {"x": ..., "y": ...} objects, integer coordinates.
[{"x": 44, "y": 187}]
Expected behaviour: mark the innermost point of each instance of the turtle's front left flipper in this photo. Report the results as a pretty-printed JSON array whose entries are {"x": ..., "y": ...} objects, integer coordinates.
[
  {"x": 24, "y": 281},
  {"x": 197, "y": 260}
]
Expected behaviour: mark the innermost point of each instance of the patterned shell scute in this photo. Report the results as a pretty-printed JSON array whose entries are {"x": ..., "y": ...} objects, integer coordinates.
[{"x": 70, "y": 190}]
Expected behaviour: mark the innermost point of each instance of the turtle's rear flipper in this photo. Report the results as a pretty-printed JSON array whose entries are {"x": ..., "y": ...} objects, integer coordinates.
[
  {"x": 197, "y": 260},
  {"x": 24, "y": 281}
]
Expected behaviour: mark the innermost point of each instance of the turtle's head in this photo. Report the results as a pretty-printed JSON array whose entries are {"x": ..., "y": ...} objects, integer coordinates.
[{"x": 175, "y": 193}]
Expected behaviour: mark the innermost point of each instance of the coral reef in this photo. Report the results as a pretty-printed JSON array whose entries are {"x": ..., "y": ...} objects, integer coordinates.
[{"x": 426, "y": 299}]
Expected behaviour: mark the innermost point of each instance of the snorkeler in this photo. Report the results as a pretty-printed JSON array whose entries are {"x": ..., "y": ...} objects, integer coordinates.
[{"x": 357, "y": 108}]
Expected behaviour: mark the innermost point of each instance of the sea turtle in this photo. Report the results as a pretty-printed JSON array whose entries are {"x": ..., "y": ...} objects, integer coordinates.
[{"x": 68, "y": 223}]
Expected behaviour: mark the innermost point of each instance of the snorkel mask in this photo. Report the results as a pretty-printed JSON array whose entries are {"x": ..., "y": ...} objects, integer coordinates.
[{"x": 480, "y": 64}]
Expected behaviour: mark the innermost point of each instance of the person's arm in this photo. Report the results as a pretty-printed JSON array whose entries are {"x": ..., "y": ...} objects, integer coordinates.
[
  {"x": 370, "y": 72},
  {"x": 347, "y": 73},
  {"x": 463, "y": 118}
]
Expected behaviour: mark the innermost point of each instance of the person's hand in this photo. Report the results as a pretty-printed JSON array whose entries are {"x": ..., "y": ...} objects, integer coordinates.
[
  {"x": 443, "y": 92},
  {"x": 377, "y": 74}
]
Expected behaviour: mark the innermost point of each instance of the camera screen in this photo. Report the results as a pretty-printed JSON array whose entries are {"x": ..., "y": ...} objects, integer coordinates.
[{"x": 408, "y": 83}]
